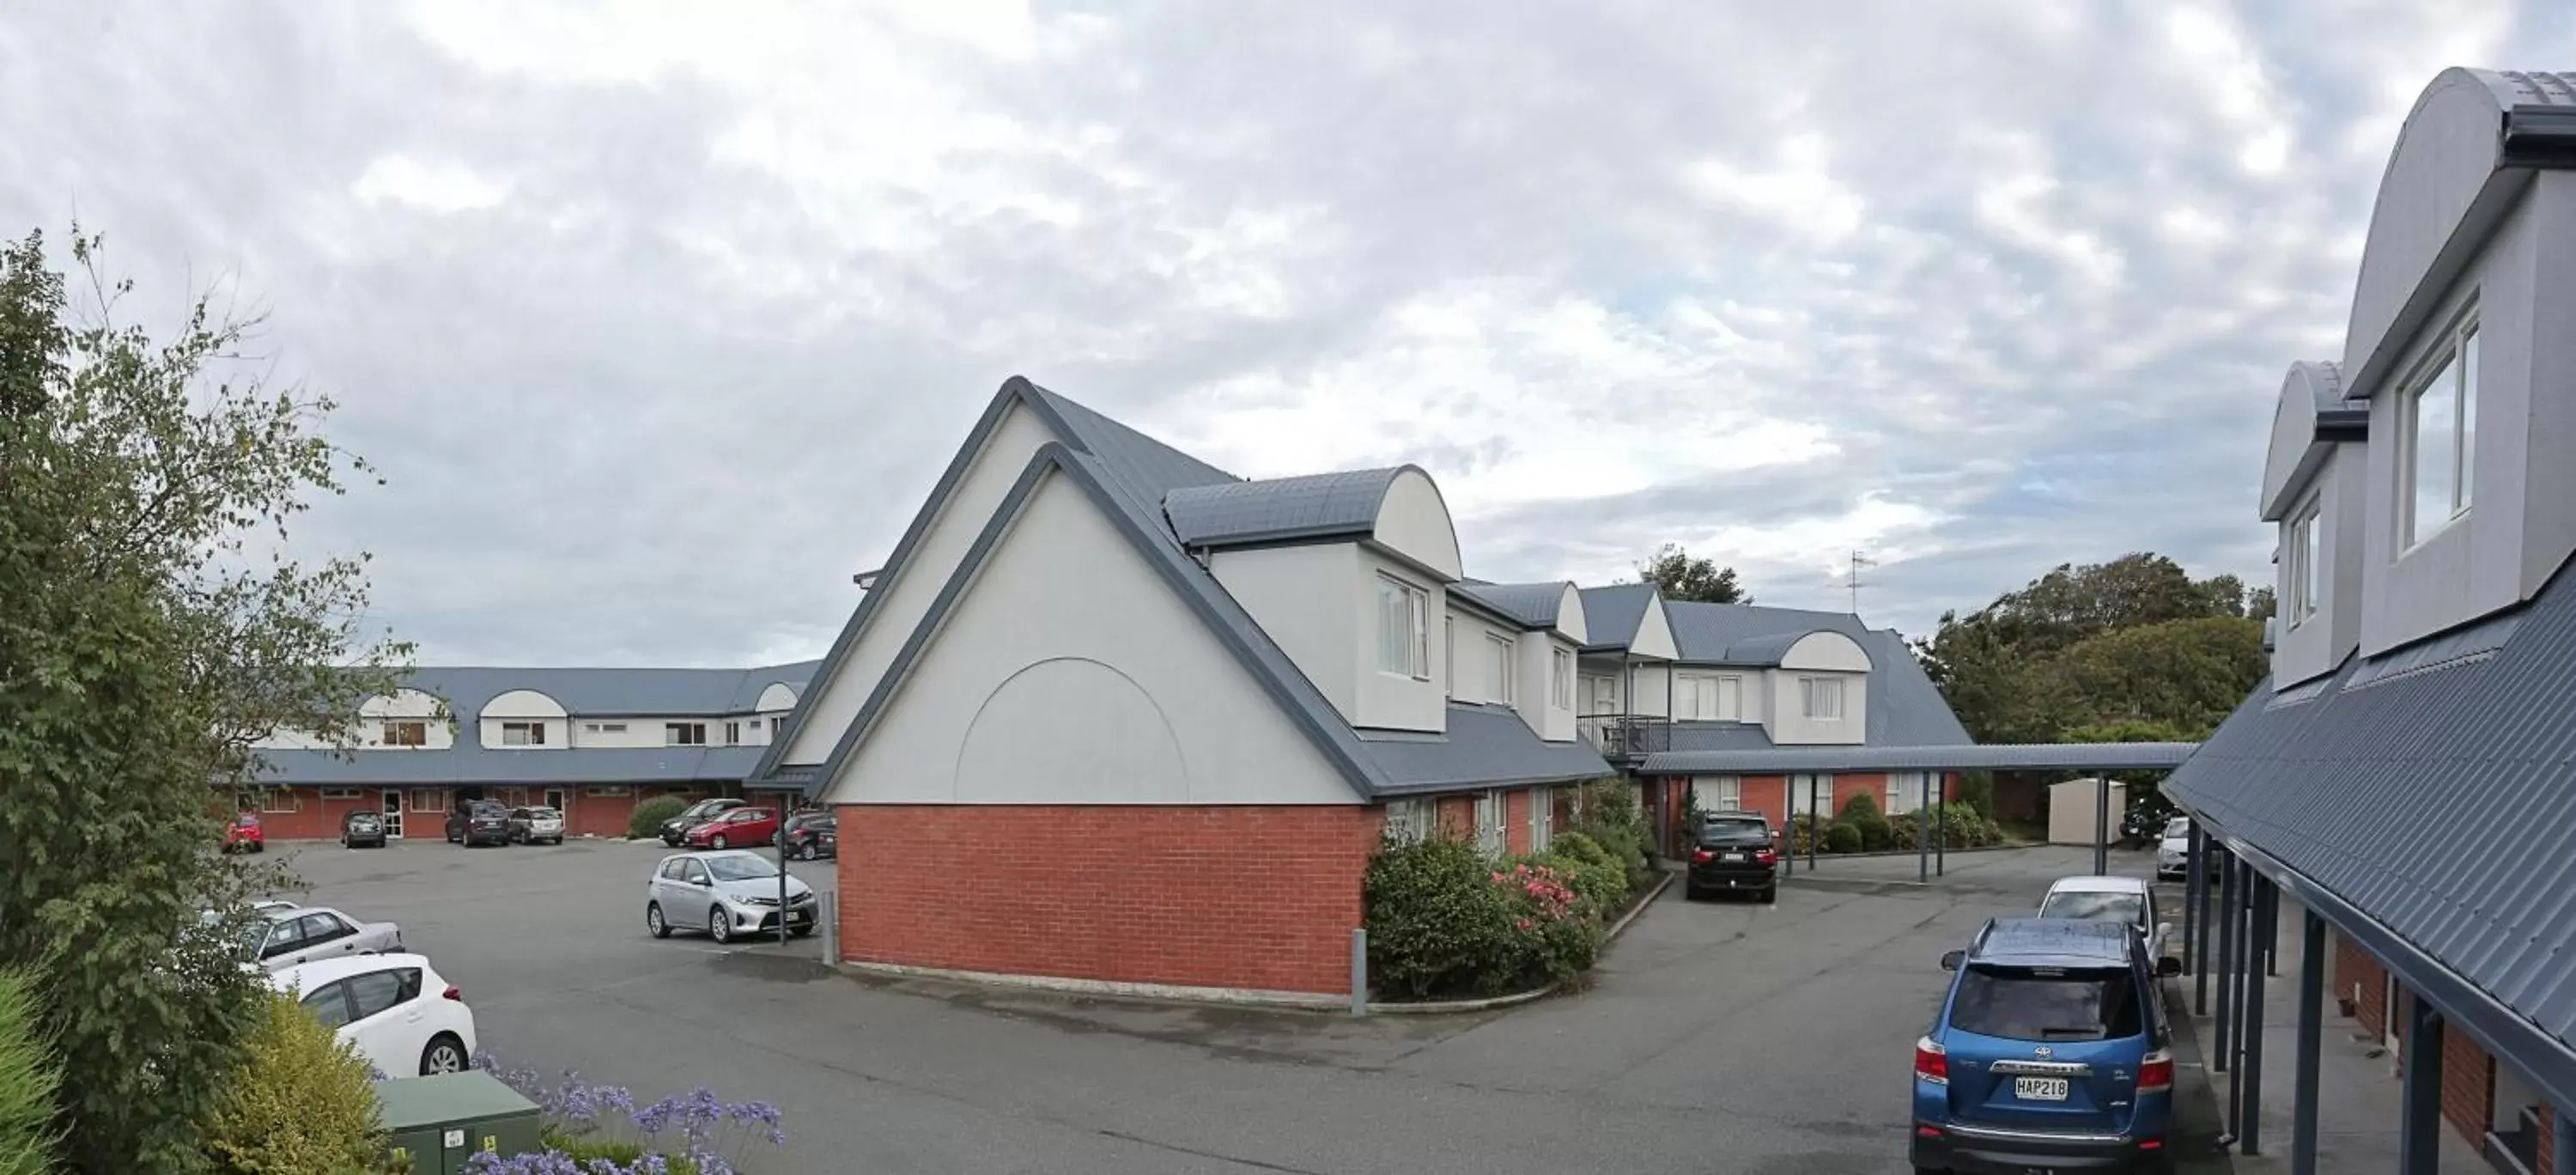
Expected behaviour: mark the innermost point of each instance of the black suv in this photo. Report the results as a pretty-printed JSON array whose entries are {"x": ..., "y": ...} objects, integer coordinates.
[
  {"x": 696, "y": 814},
  {"x": 813, "y": 834},
  {"x": 362, "y": 828},
  {"x": 1735, "y": 851},
  {"x": 476, "y": 822}
]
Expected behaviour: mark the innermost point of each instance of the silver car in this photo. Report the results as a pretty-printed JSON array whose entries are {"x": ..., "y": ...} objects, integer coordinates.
[
  {"x": 529, "y": 826},
  {"x": 279, "y": 939},
  {"x": 724, "y": 893}
]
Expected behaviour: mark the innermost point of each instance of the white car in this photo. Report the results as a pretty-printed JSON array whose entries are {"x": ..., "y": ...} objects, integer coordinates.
[
  {"x": 2110, "y": 899},
  {"x": 393, "y": 1009},
  {"x": 282, "y": 938},
  {"x": 726, "y": 893},
  {"x": 2173, "y": 853}
]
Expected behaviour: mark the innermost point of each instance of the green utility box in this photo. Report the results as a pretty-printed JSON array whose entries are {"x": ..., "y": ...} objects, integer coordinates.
[{"x": 441, "y": 1121}]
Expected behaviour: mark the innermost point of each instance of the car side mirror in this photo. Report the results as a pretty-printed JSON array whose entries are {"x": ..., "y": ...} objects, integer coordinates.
[
  {"x": 1950, "y": 960},
  {"x": 2164, "y": 929},
  {"x": 2168, "y": 967}
]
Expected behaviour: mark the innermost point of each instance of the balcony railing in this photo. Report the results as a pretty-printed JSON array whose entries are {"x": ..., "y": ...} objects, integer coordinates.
[{"x": 1625, "y": 736}]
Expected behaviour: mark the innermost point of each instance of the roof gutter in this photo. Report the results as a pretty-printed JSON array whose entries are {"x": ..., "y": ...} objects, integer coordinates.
[
  {"x": 2547, "y": 1062},
  {"x": 2539, "y": 137}
]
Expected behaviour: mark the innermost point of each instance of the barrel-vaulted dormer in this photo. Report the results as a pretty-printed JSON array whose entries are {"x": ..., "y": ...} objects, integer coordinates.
[
  {"x": 1346, "y": 573},
  {"x": 525, "y": 719},
  {"x": 2315, "y": 482}
]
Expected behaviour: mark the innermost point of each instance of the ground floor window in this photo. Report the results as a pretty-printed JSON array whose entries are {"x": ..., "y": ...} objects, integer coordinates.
[
  {"x": 428, "y": 799},
  {"x": 340, "y": 793},
  {"x": 1409, "y": 821},
  {"x": 1542, "y": 818},
  {"x": 1489, "y": 822},
  {"x": 280, "y": 801},
  {"x": 1809, "y": 793},
  {"x": 1905, "y": 791},
  {"x": 605, "y": 789},
  {"x": 1719, "y": 792}
]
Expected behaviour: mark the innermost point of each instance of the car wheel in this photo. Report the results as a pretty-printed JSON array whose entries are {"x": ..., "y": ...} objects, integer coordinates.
[
  {"x": 1771, "y": 894},
  {"x": 719, "y": 924},
  {"x": 800, "y": 931},
  {"x": 445, "y": 1054},
  {"x": 653, "y": 920},
  {"x": 717, "y": 841}
]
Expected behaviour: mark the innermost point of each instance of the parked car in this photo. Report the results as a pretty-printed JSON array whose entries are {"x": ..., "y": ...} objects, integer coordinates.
[
  {"x": 475, "y": 822},
  {"x": 2173, "y": 853},
  {"x": 530, "y": 826},
  {"x": 740, "y": 826},
  {"x": 2129, "y": 901},
  {"x": 694, "y": 815},
  {"x": 362, "y": 828},
  {"x": 244, "y": 835},
  {"x": 813, "y": 834},
  {"x": 301, "y": 934},
  {"x": 724, "y": 894},
  {"x": 394, "y": 1010},
  {"x": 1735, "y": 851},
  {"x": 2050, "y": 1052}
]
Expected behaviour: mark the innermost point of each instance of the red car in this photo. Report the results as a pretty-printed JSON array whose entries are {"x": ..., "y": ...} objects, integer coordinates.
[
  {"x": 736, "y": 829},
  {"x": 242, "y": 834}
]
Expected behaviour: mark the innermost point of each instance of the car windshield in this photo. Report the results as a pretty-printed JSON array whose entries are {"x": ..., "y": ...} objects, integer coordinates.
[
  {"x": 2095, "y": 906},
  {"x": 2178, "y": 826},
  {"x": 743, "y": 868},
  {"x": 703, "y": 808},
  {"x": 1728, "y": 830},
  {"x": 544, "y": 814},
  {"x": 2047, "y": 1003}
]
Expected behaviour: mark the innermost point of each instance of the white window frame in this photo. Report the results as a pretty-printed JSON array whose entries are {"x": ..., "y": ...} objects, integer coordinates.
[
  {"x": 1542, "y": 818},
  {"x": 1798, "y": 789},
  {"x": 1411, "y": 821},
  {"x": 1498, "y": 679},
  {"x": 1560, "y": 680},
  {"x": 1449, "y": 655},
  {"x": 1904, "y": 792},
  {"x": 1821, "y": 699},
  {"x": 385, "y": 731},
  {"x": 1730, "y": 697},
  {"x": 2305, "y": 596},
  {"x": 342, "y": 793},
  {"x": 1403, "y": 614},
  {"x": 432, "y": 801},
  {"x": 612, "y": 728},
  {"x": 1718, "y": 793},
  {"x": 2455, "y": 357},
  {"x": 279, "y": 801},
  {"x": 733, "y": 733},
  {"x": 1491, "y": 808},
  {"x": 684, "y": 734},
  {"x": 531, "y": 734}
]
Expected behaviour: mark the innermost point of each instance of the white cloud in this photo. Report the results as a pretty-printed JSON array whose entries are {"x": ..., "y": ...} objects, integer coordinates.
[{"x": 432, "y": 185}]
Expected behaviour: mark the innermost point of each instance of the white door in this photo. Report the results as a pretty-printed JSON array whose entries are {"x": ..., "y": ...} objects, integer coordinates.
[{"x": 393, "y": 814}]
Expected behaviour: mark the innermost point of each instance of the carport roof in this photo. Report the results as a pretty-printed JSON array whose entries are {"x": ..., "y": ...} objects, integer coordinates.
[{"x": 1962, "y": 757}]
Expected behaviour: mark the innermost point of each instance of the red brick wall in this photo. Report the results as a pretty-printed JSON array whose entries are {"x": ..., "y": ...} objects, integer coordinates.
[
  {"x": 1124, "y": 893},
  {"x": 2549, "y": 1142},
  {"x": 2352, "y": 965},
  {"x": 1516, "y": 820},
  {"x": 2468, "y": 1085}
]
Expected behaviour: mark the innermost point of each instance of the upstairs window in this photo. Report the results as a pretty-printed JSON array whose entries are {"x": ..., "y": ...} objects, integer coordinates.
[
  {"x": 733, "y": 734},
  {"x": 1560, "y": 681},
  {"x": 2307, "y": 572},
  {"x": 523, "y": 734},
  {"x": 1716, "y": 699},
  {"x": 1822, "y": 697},
  {"x": 1403, "y": 629},
  {"x": 2440, "y": 457},
  {"x": 1449, "y": 653},
  {"x": 406, "y": 734},
  {"x": 1498, "y": 669},
  {"x": 684, "y": 734}
]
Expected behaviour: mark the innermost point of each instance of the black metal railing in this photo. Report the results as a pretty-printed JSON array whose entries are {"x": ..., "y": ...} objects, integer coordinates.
[{"x": 1625, "y": 736}]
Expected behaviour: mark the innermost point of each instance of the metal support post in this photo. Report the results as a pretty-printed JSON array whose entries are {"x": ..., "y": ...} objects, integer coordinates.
[
  {"x": 2102, "y": 825},
  {"x": 2250, "y": 1075},
  {"x": 2562, "y": 1133},
  {"x": 1941, "y": 832},
  {"x": 2271, "y": 942},
  {"x": 2225, "y": 917},
  {"x": 2419, "y": 1121},
  {"x": 2312, "y": 1017},
  {"x": 2194, "y": 955},
  {"x": 1923, "y": 833},
  {"x": 2198, "y": 863},
  {"x": 1815, "y": 825},
  {"x": 1359, "y": 971}
]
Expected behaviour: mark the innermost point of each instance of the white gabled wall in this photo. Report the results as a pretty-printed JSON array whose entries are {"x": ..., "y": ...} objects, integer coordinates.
[
  {"x": 1786, "y": 704},
  {"x": 1072, "y": 673},
  {"x": 1414, "y": 522},
  {"x": 1550, "y": 717},
  {"x": 1300, "y": 596},
  {"x": 1654, "y": 634},
  {"x": 525, "y": 705},
  {"x": 908, "y": 590}
]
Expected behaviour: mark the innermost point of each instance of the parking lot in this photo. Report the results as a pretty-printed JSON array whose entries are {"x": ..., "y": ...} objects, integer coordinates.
[{"x": 1715, "y": 1037}]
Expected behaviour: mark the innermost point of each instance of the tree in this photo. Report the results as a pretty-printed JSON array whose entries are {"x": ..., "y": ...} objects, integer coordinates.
[
  {"x": 144, "y": 645},
  {"x": 1681, "y": 577}
]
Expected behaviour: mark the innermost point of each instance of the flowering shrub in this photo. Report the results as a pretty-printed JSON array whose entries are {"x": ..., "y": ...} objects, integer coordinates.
[
  {"x": 602, "y": 1129},
  {"x": 1443, "y": 920}
]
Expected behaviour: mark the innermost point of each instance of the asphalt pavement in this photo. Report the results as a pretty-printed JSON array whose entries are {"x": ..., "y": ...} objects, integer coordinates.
[{"x": 1714, "y": 1037}]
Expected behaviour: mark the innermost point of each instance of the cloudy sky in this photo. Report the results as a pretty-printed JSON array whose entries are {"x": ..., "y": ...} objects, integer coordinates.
[{"x": 662, "y": 318}]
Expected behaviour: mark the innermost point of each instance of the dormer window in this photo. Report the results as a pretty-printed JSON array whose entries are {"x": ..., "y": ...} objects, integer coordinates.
[
  {"x": 2306, "y": 571},
  {"x": 1822, "y": 696},
  {"x": 1498, "y": 670},
  {"x": 1560, "y": 681},
  {"x": 1403, "y": 629},
  {"x": 2440, "y": 457},
  {"x": 406, "y": 733},
  {"x": 523, "y": 734}
]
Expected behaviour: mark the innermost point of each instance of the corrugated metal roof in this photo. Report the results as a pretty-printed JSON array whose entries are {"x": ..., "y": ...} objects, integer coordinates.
[
  {"x": 1530, "y": 605},
  {"x": 2478, "y": 754},
  {"x": 1719, "y": 736},
  {"x": 1750, "y": 634},
  {"x": 1969, "y": 757},
  {"x": 614, "y": 692},
  {"x": 1143, "y": 468},
  {"x": 469, "y": 763},
  {"x": 1279, "y": 509},
  {"x": 1486, "y": 746},
  {"x": 1611, "y": 614}
]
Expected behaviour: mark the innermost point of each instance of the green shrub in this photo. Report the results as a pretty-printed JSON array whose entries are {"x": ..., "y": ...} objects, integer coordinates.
[
  {"x": 1842, "y": 838},
  {"x": 1862, "y": 814},
  {"x": 619, "y": 1151},
  {"x": 1977, "y": 791},
  {"x": 649, "y": 815},
  {"x": 1607, "y": 813},
  {"x": 1582, "y": 848},
  {"x": 28, "y": 1079},
  {"x": 301, "y": 1105},
  {"x": 1444, "y": 921},
  {"x": 1602, "y": 884}
]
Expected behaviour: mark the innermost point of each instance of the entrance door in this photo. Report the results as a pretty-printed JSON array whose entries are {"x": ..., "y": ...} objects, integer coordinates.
[
  {"x": 393, "y": 814},
  {"x": 555, "y": 799}
]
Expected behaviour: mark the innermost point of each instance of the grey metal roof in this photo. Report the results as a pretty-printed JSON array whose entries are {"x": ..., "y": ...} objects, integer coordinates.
[
  {"x": 1530, "y": 605},
  {"x": 1279, "y": 509},
  {"x": 1486, "y": 746},
  {"x": 1745, "y": 634},
  {"x": 610, "y": 692},
  {"x": 2438, "y": 806},
  {"x": 1611, "y": 614},
  {"x": 1719, "y": 736},
  {"x": 1143, "y": 468},
  {"x": 1956, "y": 757},
  {"x": 468, "y": 763}
]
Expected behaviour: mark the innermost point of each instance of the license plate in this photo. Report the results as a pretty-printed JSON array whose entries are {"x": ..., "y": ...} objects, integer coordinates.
[
  {"x": 1736, "y": 857},
  {"x": 2040, "y": 1089}
]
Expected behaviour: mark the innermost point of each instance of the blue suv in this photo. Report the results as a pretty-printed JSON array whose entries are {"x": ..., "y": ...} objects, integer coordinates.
[{"x": 2051, "y": 1054}]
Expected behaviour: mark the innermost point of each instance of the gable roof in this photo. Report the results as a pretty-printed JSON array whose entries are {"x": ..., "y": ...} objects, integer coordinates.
[
  {"x": 1612, "y": 613},
  {"x": 1529, "y": 605},
  {"x": 1485, "y": 746},
  {"x": 1904, "y": 708},
  {"x": 1279, "y": 509},
  {"x": 2337, "y": 781}
]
